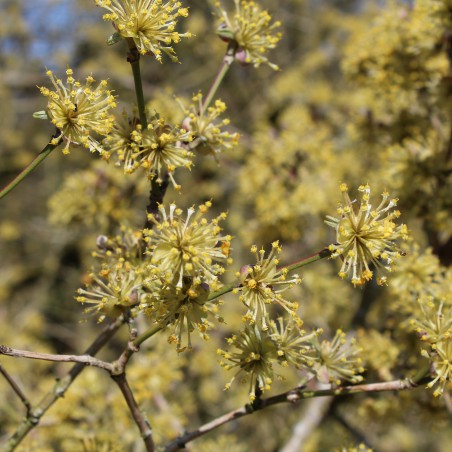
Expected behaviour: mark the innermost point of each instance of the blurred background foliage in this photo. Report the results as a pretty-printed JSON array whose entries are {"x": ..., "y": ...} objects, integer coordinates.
[{"x": 364, "y": 95}]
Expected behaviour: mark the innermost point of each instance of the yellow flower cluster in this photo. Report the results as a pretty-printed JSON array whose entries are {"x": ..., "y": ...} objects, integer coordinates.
[
  {"x": 150, "y": 23},
  {"x": 338, "y": 360},
  {"x": 366, "y": 236},
  {"x": 79, "y": 110},
  {"x": 286, "y": 344},
  {"x": 188, "y": 246},
  {"x": 434, "y": 327},
  {"x": 158, "y": 148},
  {"x": 252, "y": 30},
  {"x": 117, "y": 285},
  {"x": 261, "y": 285},
  {"x": 208, "y": 138}
]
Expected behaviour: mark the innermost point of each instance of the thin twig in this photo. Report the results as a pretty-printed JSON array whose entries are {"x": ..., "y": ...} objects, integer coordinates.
[
  {"x": 294, "y": 396},
  {"x": 16, "y": 388},
  {"x": 225, "y": 65},
  {"x": 140, "y": 419},
  {"x": 309, "y": 260},
  {"x": 60, "y": 388},
  {"x": 133, "y": 57},
  {"x": 30, "y": 167},
  {"x": 83, "y": 359}
]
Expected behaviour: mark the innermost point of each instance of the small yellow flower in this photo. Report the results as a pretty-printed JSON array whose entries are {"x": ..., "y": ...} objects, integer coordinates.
[
  {"x": 338, "y": 360},
  {"x": 158, "y": 147},
  {"x": 181, "y": 310},
  {"x": 112, "y": 291},
  {"x": 254, "y": 358},
  {"x": 119, "y": 141},
  {"x": 434, "y": 326},
  {"x": 253, "y": 31},
  {"x": 150, "y": 23},
  {"x": 366, "y": 236},
  {"x": 294, "y": 345},
  {"x": 262, "y": 285},
  {"x": 207, "y": 133},
  {"x": 187, "y": 246},
  {"x": 79, "y": 111}
]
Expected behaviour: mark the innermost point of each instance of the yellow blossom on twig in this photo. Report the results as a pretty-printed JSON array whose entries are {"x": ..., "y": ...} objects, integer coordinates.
[
  {"x": 150, "y": 23},
  {"x": 366, "y": 236},
  {"x": 253, "y": 31},
  {"x": 79, "y": 110}
]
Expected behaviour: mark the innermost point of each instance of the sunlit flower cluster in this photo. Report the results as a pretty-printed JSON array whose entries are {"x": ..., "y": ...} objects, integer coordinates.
[
  {"x": 366, "y": 236},
  {"x": 254, "y": 357},
  {"x": 257, "y": 351},
  {"x": 112, "y": 291},
  {"x": 79, "y": 111},
  {"x": 150, "y": 23},
  {"x": 262, "y": 284},
  {"x": 294, "y": 345},
  {"x": 338, "y": 360},
  {"x": 119, "y": 142},
  {"x": 188, "y": 246},
  {"x": 434, "y": 327},
  {"x": 207, "y": 132},
  {"x": 117, "y": 284},
  {"x": 253, "y": 31},
  {"x": 157, "y": 148},
  {"x": 181, "y": 310}
]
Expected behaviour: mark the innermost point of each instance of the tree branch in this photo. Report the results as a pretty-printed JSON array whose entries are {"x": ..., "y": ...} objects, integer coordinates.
[
  {"x": 16, "y": 388},
  {"x": 138, "y": 416},
  {"x": 61, "y": 386},
  {"x": 294, "y": 396},
  {"x": 83, "y": 359}
]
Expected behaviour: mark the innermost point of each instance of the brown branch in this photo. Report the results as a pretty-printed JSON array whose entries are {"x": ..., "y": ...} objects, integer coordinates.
[
  {"x": 292, "y": 396},
  {"x": 60, "y": 388},
  {"x": 138, "y": 416},
  {"x": 82, "y": 359},
  {"x": 16, "y": 388}
]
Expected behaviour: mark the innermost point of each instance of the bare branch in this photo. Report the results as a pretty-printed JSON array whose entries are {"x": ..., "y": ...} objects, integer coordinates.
[
  {"x": 15, "y": 388},
  {"x": 293, "y": 396},
  {"x": 82, "y": 359},
  {"x": 60, "y": 387},
  {"x": 138, "y": 416}
]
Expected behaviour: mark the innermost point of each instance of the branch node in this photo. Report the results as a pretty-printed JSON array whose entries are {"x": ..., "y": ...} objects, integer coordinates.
[
  {"x": 4, "y": 350},
  {"x": 293, "y": 397}
]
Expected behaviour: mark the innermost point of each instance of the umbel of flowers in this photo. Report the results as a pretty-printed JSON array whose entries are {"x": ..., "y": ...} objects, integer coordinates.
[
  {"x": 78, "y": 111},
  {"x": 252, "y": 30},
  {"x": 433, "y": 325},
  {"x": 188, "y": 246},
  {"x": 150, "y": 23},
  {"x": 262, "y": 285},
  {"x": 366, "y": 236},
  {"x": 257, "y": 352}
]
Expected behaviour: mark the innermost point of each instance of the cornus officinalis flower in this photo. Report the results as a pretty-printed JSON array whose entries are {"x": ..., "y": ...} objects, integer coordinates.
[
  {"x": 79, "y": 110},
  {"x": 366, "y": 235}
]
